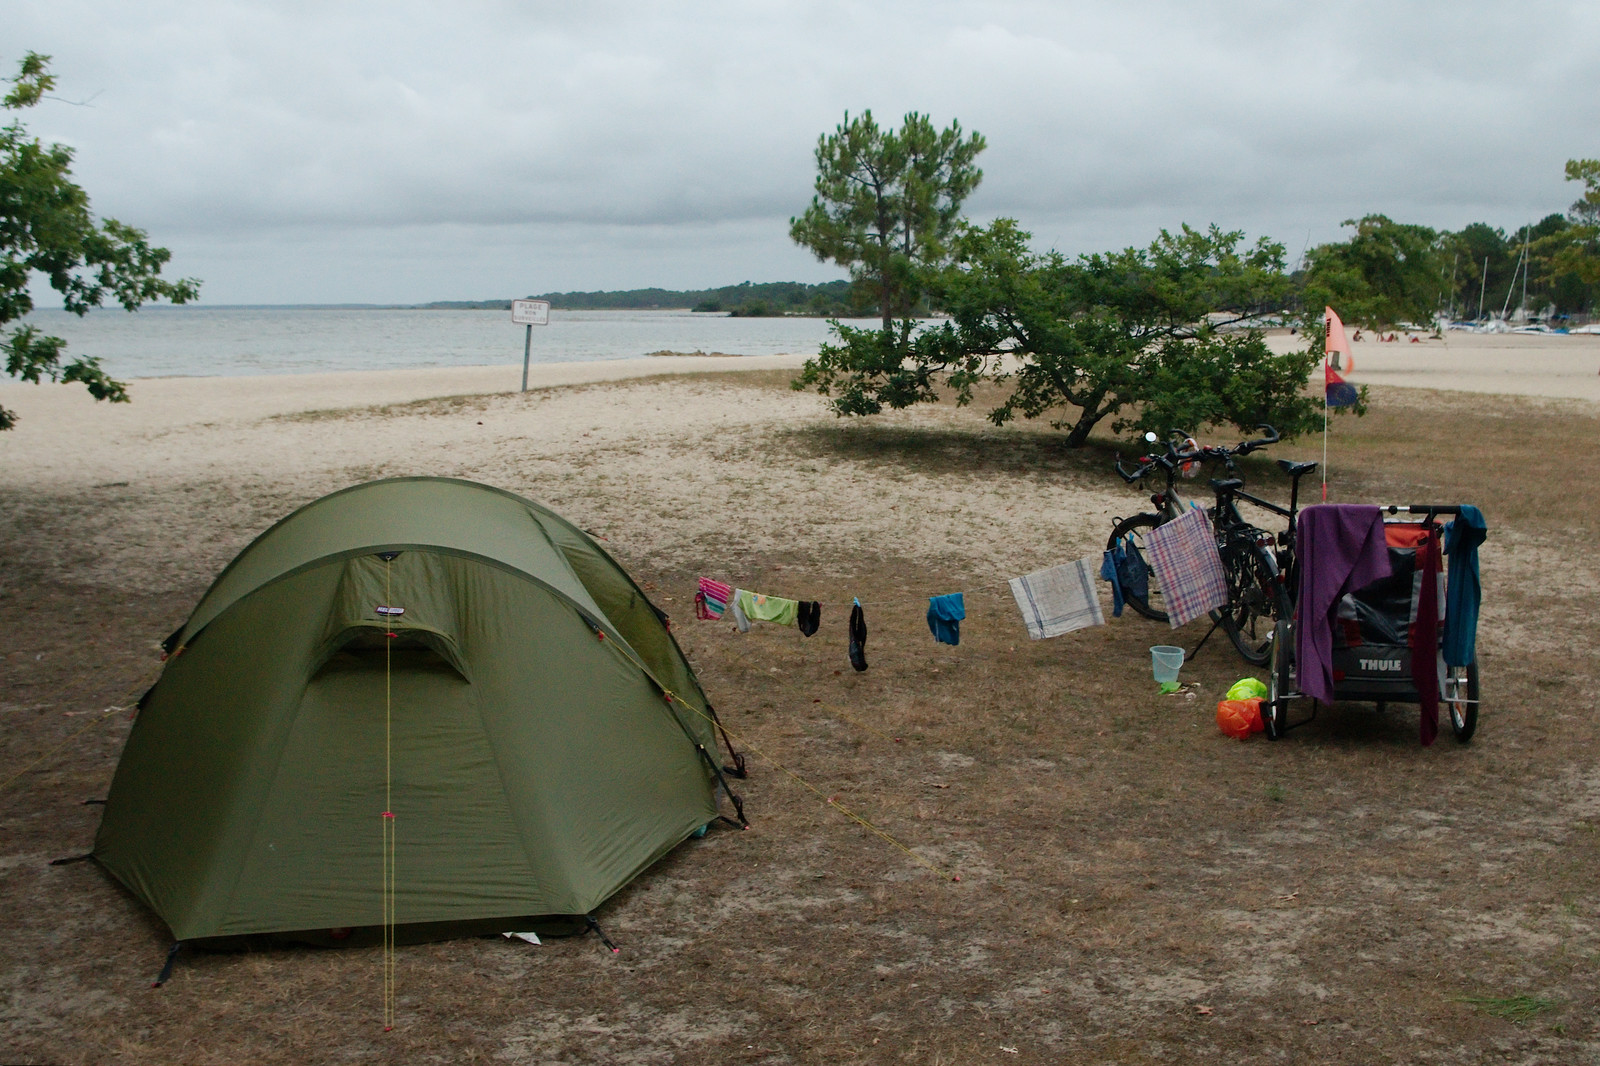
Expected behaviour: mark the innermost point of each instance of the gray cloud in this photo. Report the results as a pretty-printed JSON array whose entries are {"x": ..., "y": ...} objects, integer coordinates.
[{"x": 408, "y": 151}]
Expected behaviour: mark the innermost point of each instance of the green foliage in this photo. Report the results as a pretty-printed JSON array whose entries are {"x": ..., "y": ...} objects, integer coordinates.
[
  {"x": 1482, "y": 262},
  {"x": 886, "y": 202},
  {"x": 1575, "y": 251},
  {"x": 832, "y": 298},
  {"x": 1387, "y": 273},
  {"x": 1141, "y": 336},
  {"x": 46, "y": 228},
  {"x": 1586, "y": 210}
]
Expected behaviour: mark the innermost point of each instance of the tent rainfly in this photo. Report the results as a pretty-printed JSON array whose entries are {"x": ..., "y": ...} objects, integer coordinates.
[{"x": 451, "y": 654}]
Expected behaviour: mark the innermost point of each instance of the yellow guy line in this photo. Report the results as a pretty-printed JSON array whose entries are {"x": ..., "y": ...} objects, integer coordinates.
[
  {"x": 149, "y": 679},
  {"x": 107, "y": 713}
]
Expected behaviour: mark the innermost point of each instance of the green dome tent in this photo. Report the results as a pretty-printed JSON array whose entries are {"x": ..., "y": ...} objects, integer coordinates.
[{"x": 434, "y": 649}]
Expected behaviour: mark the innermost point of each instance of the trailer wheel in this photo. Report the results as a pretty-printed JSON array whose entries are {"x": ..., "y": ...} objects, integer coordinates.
[
  {"x": 1460, "y": 685},
  {"x": 1280, "y": 680}
]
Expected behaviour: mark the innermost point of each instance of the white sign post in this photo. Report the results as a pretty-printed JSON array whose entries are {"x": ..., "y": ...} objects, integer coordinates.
[{"x": 529, "y": 313}]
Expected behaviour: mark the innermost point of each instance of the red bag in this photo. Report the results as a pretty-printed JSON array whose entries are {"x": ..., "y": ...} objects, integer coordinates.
[{"x": 1240, "y": 718}]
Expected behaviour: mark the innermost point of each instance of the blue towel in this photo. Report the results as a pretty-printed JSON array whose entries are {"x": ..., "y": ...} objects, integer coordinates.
[
  {"x": 1461, "y": 540},
  {"x": 944, "y": 617}
]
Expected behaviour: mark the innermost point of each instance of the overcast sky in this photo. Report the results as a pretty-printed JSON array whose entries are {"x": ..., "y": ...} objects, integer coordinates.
[{"x": 403, "y": 151}]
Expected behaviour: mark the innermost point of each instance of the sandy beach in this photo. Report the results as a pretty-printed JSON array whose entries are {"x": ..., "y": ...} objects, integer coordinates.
[
  {"x": 1551, "y": 365},
  {"x": 1134, "y": 886}
]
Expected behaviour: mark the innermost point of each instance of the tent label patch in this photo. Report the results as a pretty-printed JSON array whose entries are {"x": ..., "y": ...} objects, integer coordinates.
[{"x": 391, "y": 610}]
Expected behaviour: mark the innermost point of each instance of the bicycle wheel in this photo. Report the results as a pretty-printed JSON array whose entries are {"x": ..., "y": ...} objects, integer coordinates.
[
  {"x": 1280, "y": 680},
  {"x": 1254, "y": 597},
  {"x": 1460, "y": 685},
  {"x": 1138, "y": 526}
]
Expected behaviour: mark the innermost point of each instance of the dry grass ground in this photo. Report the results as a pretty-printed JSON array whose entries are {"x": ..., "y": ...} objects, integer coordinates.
[{"x": 1134, "y": 887}]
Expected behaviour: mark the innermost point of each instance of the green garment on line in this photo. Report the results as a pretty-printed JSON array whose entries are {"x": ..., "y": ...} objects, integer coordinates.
[{"x": 759, "y": 608}]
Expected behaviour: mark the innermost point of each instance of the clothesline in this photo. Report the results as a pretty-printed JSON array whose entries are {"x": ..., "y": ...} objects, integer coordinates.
[
  {"x": 911, "y": 601},
  {"x": 1052, "y": 602},
  {"x": 922, "y": 601}
]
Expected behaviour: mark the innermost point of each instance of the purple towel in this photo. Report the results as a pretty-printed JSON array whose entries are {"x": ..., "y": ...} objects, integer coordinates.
[{"x": 1341, "y": 548}]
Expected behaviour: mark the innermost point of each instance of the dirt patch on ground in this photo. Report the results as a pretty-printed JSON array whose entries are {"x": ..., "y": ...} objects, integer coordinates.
[{"x": 1134, "y": 887}]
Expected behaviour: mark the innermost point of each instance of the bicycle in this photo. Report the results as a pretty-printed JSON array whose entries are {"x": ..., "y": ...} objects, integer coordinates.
[
  {"x": 1130, "y": 532},
  {"x": 1260, "y": 565},
  {"x": 1257, "y": 563}
]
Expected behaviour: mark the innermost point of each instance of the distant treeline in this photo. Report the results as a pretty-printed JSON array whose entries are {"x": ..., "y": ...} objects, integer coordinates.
[{"x": 747, "y": 300}]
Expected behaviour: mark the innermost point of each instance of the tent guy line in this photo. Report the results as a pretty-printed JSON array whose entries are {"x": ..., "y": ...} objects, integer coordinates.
[
  {"x": 129, "y": 702},
  {"x": 74, "y": 735}
]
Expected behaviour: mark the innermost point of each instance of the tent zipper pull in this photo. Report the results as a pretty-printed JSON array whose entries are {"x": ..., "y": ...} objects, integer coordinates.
[{"x": 601, "y": 934}]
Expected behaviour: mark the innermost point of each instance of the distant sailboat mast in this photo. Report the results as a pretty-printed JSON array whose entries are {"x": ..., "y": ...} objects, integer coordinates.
[{"x": 1522, "y": 265}]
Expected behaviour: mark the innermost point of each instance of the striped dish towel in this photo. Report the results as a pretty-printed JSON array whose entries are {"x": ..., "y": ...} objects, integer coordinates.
[
  {"x": 1183, "y": 553},
  {"x": 1058, "y": 600},
  {"x": 711, "y": 601}
]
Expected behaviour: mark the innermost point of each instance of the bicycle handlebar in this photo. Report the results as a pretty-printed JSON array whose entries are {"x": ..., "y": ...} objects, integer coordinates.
[
  {"x": 1145, "y": 463},
  {"x": 1178, "y": 454},
  {"x": 1248, "y": 446}
]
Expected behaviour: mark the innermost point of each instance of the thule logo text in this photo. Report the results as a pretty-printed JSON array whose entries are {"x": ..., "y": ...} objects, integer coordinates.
[{"x": 1380, "y": 664}]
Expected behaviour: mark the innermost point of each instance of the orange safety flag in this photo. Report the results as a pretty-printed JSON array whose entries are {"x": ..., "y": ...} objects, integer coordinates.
[{"x": 1336, "y": 341}]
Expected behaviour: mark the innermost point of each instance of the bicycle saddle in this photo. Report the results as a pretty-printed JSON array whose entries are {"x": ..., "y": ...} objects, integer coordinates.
[
  {"x": 1294, "y": 469},
  {"x": 1226, "y": 484}
]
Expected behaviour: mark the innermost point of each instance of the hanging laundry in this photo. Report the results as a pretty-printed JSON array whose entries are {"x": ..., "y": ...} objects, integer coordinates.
[
  {"x": 1423, "y": 638},
  {"x": 1110, "y": 562},
  {"x": 739, "y": 618},
  {"x": 809, "y": 617},
  {"x": 1183, "y": 553},
  {"x": 1461, "y": 540},
  {"x": 1058, "y": 600},
  {"x": 858, "y": 637},
  {"x": 944, "y": 617},
  {"x": 1133, "y": 573},
  {"x": 711, "y": 601},
  {"x": 759, "y": 608},
  {"x": 1341, "y": 548}
]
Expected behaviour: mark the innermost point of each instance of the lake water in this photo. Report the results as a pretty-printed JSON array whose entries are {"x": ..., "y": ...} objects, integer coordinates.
[{"x": 161, "y": 341}]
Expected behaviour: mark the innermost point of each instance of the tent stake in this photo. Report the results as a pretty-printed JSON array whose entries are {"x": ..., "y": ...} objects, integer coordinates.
[{"x": 166, "y": 970}]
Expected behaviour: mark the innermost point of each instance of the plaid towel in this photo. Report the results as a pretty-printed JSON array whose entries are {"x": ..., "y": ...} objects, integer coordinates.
[
  {"x": 1183, "y": 553},
  {"x": 712, "y": 599},
  {"x": 1058, "y": 600}
]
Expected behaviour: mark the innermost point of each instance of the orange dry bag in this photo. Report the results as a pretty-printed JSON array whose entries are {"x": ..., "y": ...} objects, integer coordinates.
[{"x": 1240, "y": 718}]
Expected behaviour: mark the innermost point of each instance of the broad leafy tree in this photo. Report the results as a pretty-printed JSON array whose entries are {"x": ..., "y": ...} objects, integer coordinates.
[
  {"x": 887, "y": 201},
  {"x": 1152, "y": 338},
  {"x": 1575, "y": 251},
  {"x": 1387, "y": 273},
  {"x": 46, "y": 228}
]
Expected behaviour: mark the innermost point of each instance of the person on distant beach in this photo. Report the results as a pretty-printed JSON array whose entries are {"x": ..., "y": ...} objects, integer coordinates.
[{"x": 1357, "y": 336}]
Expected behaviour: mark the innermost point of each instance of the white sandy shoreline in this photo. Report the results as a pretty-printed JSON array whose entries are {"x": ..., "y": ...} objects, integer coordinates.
[
  {"x": 161, "y": 399},
  {"x": 230, "y": 427}
]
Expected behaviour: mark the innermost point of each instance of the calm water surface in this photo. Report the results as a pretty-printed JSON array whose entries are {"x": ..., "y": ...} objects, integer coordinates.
[{"x": 163, "y": 341}]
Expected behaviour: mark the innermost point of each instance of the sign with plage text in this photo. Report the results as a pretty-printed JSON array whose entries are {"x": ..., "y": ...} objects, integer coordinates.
[{"x": 530, "y": 312}]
